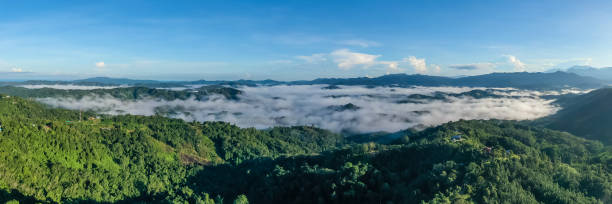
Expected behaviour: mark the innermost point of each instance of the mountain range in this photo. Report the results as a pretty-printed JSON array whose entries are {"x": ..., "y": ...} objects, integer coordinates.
[
  {"x": 604, "y": 73},
  {"x": 521, "y": 80}
]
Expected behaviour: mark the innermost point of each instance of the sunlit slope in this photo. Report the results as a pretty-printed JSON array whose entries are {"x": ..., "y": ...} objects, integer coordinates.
[
  {"x": 54, "y": 154},
  {"x": 62, "y": 156},
  {"x": 493, "y": 162}
]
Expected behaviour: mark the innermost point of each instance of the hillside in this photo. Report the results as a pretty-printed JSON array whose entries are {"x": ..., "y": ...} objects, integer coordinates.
[
  {"x": 52, "y": 155},
  {"x": 588, "y": 115},
  {"x": 127, "y": 93}
]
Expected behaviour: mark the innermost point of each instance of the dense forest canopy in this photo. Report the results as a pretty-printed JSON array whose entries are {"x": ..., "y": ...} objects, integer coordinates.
[{"x": 56, "y": 155}]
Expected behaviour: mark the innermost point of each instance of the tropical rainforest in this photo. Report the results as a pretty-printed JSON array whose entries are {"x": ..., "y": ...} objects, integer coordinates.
[{"x": 54, "y": 155}]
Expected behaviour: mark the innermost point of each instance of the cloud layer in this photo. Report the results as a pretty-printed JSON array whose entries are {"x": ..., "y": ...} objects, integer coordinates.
[{"x": 380, "y": 109}]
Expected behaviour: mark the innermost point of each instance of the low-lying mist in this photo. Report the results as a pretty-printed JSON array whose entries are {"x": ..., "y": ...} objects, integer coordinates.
[{"x": 345, "y": 108}]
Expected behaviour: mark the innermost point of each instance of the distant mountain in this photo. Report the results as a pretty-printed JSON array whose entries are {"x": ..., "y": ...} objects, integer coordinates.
[
  {"x": 108, "y": 80},
  {"x": 525, "y": 80},
  {"x": 522, "y": 80},
  {"x": 598, "y": 73},
  {"x": 390, "y": 79},
  {"x": 588, "y": 115}
]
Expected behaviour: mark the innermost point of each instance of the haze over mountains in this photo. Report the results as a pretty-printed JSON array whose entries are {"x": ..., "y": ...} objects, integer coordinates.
[
  {"x": 604, "y": 73},
  {"x": 522, "y": 80}
]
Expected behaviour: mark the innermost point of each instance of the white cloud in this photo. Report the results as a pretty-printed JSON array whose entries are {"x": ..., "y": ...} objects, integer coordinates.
[
  {"x": 314, "y": 58},
  {"x": 15, "y": 69},
  {"x": 347, "y": 59},
  {"x": 392, "y": 65},
  {"x": 588, "y": 61},
  {"x": 419, "y": 64},
  {"x": 100, "y": 65},
  {"x": 518, "y": 65},
  {"x": 360, "y": 43},
  {"x": 436, "y": 68}
]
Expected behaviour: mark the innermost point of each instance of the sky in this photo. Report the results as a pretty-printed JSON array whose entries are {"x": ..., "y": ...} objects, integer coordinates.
[{"x": 297, "y": 40}]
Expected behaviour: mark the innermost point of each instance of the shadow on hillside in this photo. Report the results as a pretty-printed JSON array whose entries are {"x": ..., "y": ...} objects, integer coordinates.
[{"x": 6, "y": 196}]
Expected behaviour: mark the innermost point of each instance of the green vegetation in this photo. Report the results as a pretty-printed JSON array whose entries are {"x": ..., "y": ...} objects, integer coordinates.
[
  {"x": 52, "y": 155},
  {"x": 129, "y": 93},
  {"x": 588, "y": 116}
]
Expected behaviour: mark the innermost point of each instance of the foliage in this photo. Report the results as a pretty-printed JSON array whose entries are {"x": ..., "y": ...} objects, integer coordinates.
[
  {"x": 52, "y": 155},
  {"x": 587, "y": 115},
  {"x": 126, "y": 93}
]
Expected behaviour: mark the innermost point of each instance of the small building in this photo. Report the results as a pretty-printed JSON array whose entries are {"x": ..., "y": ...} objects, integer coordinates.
[{"x": 456, "y": 138}]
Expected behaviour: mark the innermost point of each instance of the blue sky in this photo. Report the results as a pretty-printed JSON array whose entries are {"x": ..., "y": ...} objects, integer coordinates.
[{"x": 293, "y": 40}]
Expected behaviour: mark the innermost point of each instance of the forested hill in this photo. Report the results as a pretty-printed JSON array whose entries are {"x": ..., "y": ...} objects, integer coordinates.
[
  {"x": 52, "y": 155},
  {"x": 126, "y": 93},
  {"x": 520, "y": 80},
  {"x": 588, "y": 115}
]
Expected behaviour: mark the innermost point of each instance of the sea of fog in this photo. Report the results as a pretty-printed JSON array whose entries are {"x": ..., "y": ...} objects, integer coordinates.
[{"x": 375, "y": 109}]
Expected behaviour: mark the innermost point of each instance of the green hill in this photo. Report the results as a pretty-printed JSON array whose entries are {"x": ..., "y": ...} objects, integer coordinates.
[
  {"x": 52, "y": 155},
  {"x": 128, "y": 93},
  {"x": 588, "y": 115}
]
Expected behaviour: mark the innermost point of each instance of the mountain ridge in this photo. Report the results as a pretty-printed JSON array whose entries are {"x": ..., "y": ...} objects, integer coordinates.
[
  {"x": 588, "y": 115},
  {"x": 523, "y": 80}
]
